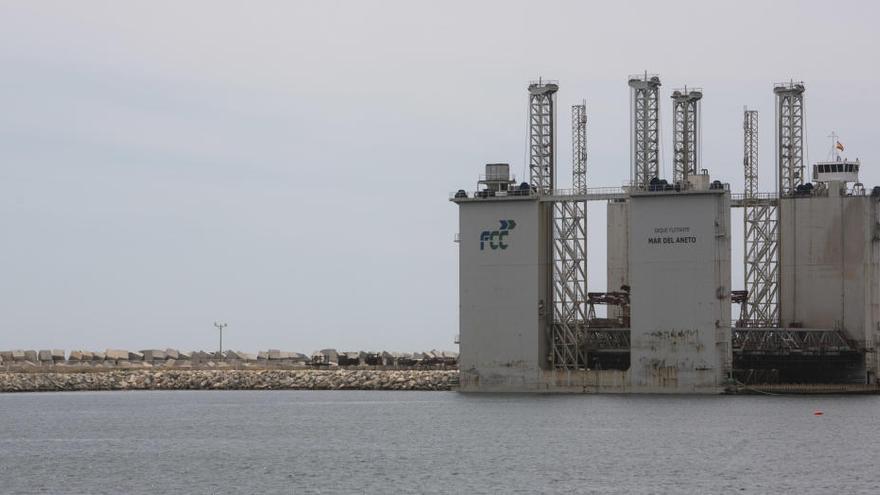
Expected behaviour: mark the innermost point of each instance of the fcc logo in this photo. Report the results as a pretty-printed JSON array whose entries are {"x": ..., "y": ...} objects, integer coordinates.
[{"x": 497, "y": 239}]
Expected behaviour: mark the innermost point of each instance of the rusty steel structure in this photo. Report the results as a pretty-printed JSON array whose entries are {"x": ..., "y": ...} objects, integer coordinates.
[
  {"x": 759, "y": 341},
  {"x": 614, "y": 298},
  {"x": 787, "y": 341},
  {"x": 741, "y": 297},
  {"x": 607, "y": 339}
]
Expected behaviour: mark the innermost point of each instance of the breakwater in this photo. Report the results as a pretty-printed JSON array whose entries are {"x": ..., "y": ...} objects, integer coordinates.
[{"x": 229, "y": 379}]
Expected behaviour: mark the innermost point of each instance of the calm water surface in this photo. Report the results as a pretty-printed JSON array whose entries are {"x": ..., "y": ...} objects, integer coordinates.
[{"x": 434, "y": 442}]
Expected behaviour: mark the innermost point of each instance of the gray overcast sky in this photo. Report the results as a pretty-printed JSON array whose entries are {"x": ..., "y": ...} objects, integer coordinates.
[{"x": 285, "y": 166}]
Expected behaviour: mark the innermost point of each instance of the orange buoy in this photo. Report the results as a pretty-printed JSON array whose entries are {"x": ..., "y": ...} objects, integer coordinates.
[{"x": 817, "y": 413}]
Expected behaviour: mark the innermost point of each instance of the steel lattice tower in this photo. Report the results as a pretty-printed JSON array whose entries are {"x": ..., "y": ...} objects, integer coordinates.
[
  {"x": 645, "y": 129},
  {"x": 570, "y": 257},
  {"x": 789, "y": 136},
  {"x": 542, "y": 120},
  {"x": 569, "y": 284},
  {"x": 579, "y": 148},
  {"x": 761, "y": 236},
  {"x": 750, "y": 153},
  {"x": 685, "y": 133}
]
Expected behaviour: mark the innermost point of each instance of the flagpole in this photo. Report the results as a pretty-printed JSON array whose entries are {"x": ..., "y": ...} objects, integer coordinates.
[{"x": 835, "y": 150}]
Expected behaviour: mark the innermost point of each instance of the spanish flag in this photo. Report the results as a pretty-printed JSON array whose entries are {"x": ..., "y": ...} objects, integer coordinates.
[{"x": 839, "y": 146}]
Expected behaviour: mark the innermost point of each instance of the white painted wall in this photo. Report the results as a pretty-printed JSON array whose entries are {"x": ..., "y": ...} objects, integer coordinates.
[
  {"x": 679, "y": 268},
  {"x": 829, "y": 269},
  {"x": 501, "y": 332}
]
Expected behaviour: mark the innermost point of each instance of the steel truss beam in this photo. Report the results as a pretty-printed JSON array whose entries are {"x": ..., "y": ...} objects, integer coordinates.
[
  {"x": 644, "y": 130},
  {"x": 607, "y": 339},
  {"x": 685, "y": 133},
  {"x": 762, "y": 264},
  {"x": 761, "y": 237},
  {"x": 569, "y": 283},
  {"x": 754, "y": 341},
  {"x": 784, "y": 341},
  {"x": 542, "y": 141},
  {"x": 789, "y": 136}
]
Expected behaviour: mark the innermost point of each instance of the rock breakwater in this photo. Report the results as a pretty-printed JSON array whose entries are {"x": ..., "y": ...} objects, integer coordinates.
[{"x": 309, "y": 379}]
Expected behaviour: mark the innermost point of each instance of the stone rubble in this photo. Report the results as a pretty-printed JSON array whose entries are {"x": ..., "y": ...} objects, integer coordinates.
[{"x": 228, "y": 379}]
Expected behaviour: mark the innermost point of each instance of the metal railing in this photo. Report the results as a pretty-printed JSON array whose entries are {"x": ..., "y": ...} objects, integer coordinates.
[
  {"x": 742, "y": 196},
  {"x": 818, "y": 191},
  {"x": 671, "y": 189},
  {"x": 513, "y": 193},
  {"x": 591, "y": 191},
  {"x": 641, "y": 77},
  {"x": 544, "y": 81},
  {"x": 497, "y": 177}
]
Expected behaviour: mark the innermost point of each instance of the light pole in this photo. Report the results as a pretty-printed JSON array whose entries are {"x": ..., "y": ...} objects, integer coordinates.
[{"x": 220, "y": 326}]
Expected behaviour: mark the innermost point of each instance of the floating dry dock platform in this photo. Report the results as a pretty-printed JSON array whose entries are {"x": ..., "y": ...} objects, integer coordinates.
[{"x": 807, "y": 317}]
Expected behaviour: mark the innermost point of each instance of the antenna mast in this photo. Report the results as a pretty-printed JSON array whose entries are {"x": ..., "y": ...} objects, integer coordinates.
[{"x": 220, "y": 326}]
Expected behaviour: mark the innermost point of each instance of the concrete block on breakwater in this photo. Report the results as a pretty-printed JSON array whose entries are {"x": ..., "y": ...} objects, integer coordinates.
[{"x": 82, "y": 360}]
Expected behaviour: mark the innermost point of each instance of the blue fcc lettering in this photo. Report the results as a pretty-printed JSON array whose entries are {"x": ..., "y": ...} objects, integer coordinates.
[{"x": 497, "y": 239}]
